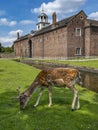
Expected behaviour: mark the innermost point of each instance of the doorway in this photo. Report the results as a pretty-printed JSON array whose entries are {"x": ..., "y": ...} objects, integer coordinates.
[{"x": 30, "y": 48}]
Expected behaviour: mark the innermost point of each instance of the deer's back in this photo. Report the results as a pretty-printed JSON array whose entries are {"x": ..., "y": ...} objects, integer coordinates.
[{"x": 57, "y": 74}]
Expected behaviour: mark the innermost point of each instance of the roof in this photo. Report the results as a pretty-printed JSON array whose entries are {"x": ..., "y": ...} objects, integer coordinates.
[
  {"x": 50, "y": 27},
  {"x": 92, "y": 22},
  {"x": 43, "y": 22},
  {"x": 23, "y": 37},
  {"x": 59, "y": 24},
  {"x": 42, "y": 14}
]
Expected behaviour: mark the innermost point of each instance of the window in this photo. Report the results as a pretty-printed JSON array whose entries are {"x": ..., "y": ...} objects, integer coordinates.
[
  {"x": 34, "y": 40},
  {"x": 38, "y": 26},
  {"x": 41, "y": 39},
  {"x": 15, "y": 52},
  {"x": 43, "y": 24},
  {"x": 81, "y": 17},
  {"x": 46, "y": 38},
  {"x": 78, "y": 51},
  {"x": 78, "y": 31}
]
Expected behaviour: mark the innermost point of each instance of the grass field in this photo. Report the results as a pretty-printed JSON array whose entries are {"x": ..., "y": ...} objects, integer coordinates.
[
  {"x": 58, "y": 117},
  {"x": 83, "y": 62}
]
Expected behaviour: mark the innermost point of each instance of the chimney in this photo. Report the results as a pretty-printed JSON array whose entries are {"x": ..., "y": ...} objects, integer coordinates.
[
  {"x": 54, "y": 19},
  {"x": 17, "y": 35}
]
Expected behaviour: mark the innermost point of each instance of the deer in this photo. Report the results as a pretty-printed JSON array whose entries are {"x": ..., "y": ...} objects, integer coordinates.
[{"x": 48, "y": 78}]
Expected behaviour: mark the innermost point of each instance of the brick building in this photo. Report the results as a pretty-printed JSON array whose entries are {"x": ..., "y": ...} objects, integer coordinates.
[{"x": 71, "y": 37}]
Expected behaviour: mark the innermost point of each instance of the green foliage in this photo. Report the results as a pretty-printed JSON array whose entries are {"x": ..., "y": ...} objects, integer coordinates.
[
  {"x": 0, "y": 47},
  {"x": 58, "y": 117},
  {"x": 6, "y": 49}
]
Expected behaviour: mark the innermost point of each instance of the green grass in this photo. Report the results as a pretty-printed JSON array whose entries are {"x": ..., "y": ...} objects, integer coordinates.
[
  {"x": 58, "y": 117},
  {"x": 84, "y": 62}
]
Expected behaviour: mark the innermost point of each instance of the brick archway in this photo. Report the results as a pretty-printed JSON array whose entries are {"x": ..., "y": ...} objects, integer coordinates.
[{"x": 30, "y": 48}]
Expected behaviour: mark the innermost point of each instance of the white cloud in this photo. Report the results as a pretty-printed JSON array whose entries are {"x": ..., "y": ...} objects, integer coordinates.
[
  {"x": 93, "y": 15},
  {"x": 14, "y": 33},
  {"x": 26, "y": 22},
  {"x": 10, "y": 38},
  {"x": 5, "y": 22},
  {"x": 2, "y": 12},
  {"x": 61, "y": 7},
  {"x": 7, "y": 41}
]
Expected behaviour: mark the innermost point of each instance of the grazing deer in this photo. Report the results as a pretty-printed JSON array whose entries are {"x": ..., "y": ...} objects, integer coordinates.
[{"x": 48, "y": 78}]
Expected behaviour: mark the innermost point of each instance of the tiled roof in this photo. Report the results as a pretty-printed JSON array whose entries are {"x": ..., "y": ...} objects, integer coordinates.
[
  {"x": 22, "y": 37},
  {"x": 93, "y": 22},
  {"x": 50, "y": 27},
  {"x": 59, "y": 24},
  {"x": 42, "y": 14}
]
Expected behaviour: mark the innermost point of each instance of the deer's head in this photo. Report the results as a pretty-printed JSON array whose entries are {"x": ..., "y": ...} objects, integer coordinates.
[{"x": 23, "y": 99}]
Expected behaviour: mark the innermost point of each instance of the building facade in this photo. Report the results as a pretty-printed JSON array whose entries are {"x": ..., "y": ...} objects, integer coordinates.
[{"x": 75, "y": 36}]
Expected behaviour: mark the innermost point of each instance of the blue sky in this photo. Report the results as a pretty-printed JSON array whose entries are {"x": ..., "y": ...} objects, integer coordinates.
[{"x": 21, "y": 15}]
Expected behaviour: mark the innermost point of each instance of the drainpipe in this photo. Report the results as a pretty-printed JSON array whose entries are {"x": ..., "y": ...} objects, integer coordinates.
[{"x": 43, "y": 47}]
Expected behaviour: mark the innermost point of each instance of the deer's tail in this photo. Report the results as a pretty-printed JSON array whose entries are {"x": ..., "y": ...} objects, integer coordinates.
[{"x": 79, "y": 81}]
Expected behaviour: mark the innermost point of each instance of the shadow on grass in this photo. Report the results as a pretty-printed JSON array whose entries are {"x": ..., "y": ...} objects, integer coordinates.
[
  {"x": 2, "y": 70},
  {"x": 58, "y": 117}
]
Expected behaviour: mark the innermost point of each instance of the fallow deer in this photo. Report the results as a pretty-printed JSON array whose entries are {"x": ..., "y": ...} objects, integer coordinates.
[{"x": 48, "y": 78}]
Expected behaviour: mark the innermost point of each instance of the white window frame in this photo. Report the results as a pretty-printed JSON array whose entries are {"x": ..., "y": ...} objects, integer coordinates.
[
  {"x": 46, "y": 38},
  {"x": 78, "y": 31},
  {"x": 78, "y": 51},
  {"x": 41, "y": 40}
]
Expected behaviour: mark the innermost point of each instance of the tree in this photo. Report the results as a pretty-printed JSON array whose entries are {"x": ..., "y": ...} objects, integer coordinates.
[
  {"x": 6, "y": 49},
  {"x": 0, "y": 47}
]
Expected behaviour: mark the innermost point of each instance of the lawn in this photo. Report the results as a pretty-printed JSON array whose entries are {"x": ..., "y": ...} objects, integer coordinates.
[
  {"x": 83, "y": 62},
  {"x": 58, "y": 117}
]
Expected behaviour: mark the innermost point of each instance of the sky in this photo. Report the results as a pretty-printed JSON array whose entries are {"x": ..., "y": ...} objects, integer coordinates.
[{"x": 22, "y": 15}]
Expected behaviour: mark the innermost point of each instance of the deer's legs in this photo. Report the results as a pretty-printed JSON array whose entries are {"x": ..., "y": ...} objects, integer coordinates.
[
  {"x": 78, "y": 103},
  {"x": 75, "y": 99},
  {"x": 50, "y": 96},
  {"x": 38, "y": 99}
]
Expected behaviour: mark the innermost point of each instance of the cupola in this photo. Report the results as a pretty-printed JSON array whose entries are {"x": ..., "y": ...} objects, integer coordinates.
[{"x": 42, "y": 20}]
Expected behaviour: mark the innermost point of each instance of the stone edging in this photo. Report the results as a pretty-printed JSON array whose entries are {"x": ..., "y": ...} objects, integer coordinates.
[{"x": 46, "y": 64}]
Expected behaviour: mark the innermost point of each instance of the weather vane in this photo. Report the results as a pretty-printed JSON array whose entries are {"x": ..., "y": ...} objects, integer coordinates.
[{"x": 42, "y": 10}]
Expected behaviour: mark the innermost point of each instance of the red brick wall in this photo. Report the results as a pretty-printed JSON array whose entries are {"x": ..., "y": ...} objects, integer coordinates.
[
  {"x": 50, "y": 44},
  {"x": 73, "y": 40},
  {"x": 94, "y": 41},
  {"x": 55, "y": 43},
  {"x": 7, "y": 55},
  {"x": 21, "y": 48},
  {"x": 87, "y": 41},
  {"x": 62, "y": 42},
  {"x": 91, "y": 40},
  {"x": 37, "y": 46}
]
